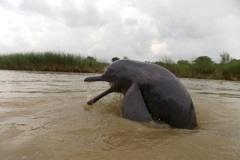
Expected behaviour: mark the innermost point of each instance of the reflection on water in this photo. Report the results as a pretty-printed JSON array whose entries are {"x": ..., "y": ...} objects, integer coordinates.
[{"x": 44, "y": 115}]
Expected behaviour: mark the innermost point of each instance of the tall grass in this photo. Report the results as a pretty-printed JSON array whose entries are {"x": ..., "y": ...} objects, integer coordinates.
[
  {"x": 50, "y": 61},
  {"x": 227, "y": 71},
  {"x": 202, "y": 67}
]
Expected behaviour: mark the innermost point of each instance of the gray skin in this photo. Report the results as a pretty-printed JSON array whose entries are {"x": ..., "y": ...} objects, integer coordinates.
[{"x": 151, "y": 92}]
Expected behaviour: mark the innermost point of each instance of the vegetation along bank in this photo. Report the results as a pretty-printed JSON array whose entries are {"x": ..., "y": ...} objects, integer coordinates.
[
  {"x": 51, "y": 61},
  {"x": 201, "y": 67}
]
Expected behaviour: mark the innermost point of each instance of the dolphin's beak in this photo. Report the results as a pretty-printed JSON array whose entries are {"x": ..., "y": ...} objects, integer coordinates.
[
  {"x": 95, "y": 99},
  {"x": 92, "y": 79}
]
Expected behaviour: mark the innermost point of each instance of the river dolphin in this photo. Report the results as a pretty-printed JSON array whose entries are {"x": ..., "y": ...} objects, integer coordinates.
[{"x": 151, "y": 92}]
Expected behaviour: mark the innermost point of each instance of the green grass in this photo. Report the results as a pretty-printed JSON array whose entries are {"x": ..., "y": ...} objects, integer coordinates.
[
  {"x": 50, "y": 61},
  {"x": 201, "y": 67},
  {"x": 227, "y": 71}
]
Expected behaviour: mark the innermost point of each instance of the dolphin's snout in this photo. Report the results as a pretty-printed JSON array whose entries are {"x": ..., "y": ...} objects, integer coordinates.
[
  {"x": 98, "y": 78},
  {"x": 90, "y": 102},
  {"x": 88, "y": 79},
  {"x": 92, "y": 79},
  {"x": 95, "y": 99}
]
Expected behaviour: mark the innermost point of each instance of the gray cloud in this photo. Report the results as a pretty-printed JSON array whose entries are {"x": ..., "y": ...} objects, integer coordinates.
[
  {"x": 138, "y": 29},
  {"x": 86, "y": 15},
  {"x": 192, "y": 27}
]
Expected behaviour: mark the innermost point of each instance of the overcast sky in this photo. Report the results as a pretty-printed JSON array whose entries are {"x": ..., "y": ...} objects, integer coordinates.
[{"x": 146, "y": 30}]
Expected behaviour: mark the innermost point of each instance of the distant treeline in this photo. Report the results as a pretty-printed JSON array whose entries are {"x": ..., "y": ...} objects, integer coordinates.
[
  {"x": 201, "y": 67},
  {"x": 51, "y": 61}
]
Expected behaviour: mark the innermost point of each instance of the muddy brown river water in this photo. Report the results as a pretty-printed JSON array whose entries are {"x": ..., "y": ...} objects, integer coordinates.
[{"x": 44, "y": 115}]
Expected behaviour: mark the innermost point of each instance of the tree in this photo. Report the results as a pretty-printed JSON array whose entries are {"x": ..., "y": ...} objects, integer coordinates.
[
  {"x": 91, "y": 58},
  {"x": 182, "y": 62},
  {"x": 225, "y": 57},
  {"x": 203, "y": 65},
  {"x": 203, "y": 60},
  {"x": 115, "y": 59},
  {"x": 125, "y": 57}
]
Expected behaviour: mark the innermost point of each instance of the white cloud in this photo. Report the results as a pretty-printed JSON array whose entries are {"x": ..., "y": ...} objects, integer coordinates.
[{"x": 159, "y": 48}]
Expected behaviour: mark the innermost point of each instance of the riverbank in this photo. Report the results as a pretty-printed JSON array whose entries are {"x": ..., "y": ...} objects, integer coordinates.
[
  {"x": 51, "y": 61},
  {"x": 227, "y": 71},
  {"x": 65, "y": 62}
]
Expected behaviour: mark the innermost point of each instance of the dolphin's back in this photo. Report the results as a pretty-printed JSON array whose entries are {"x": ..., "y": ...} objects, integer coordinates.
[{"x": 165, "y": 96}]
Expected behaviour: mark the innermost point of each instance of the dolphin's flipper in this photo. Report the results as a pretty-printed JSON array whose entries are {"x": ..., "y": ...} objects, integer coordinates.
[{"x": 134, "y": 107}]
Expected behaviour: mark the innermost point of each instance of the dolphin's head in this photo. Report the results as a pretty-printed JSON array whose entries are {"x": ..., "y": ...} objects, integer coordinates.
[{"x": 116, "y": 74}]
